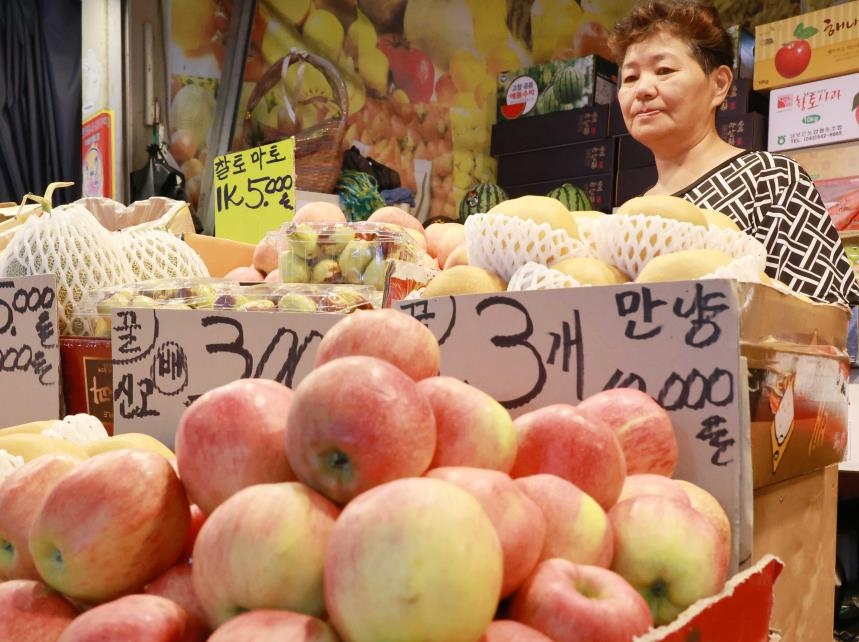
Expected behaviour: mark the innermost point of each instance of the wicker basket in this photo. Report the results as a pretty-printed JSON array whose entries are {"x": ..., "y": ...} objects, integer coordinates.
[{"x": 318, "y": 154}]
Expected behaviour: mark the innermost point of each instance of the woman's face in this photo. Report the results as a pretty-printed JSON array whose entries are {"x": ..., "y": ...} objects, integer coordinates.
[{"x": 666, "y": 98}]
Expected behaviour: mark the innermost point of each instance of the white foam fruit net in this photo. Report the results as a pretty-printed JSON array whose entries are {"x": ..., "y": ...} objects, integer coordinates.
[
  {"x": 736, "y": 244},
  {"x": 536, "y": 276},
  {"x": 629, "y": 241},
  {"x": 503, "y": 244},
  {"x": 71, "y": 243},
  {"x": 159, "y": 254},
  {"x": 741, "y": 268}
]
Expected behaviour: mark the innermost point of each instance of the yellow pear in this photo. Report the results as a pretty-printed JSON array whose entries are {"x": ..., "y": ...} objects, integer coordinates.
[
  {"x": 718, "y": 219},
  {"x": 540, "y": 209},
  {"x": 33, "y": 427},
  {"x": 588, "y": 270},
  {"x": 685, "y": 265},
  {"x": 464, "y": 279},
  {"x": 666, "y": 206},
  {"x": 30, "y": 445},
  {"x": 129, "y": 440}
]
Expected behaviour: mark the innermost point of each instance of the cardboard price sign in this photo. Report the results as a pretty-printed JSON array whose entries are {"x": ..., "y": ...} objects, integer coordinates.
[
  {"x": 29, "y": 350},
  {"x": 254, "y": 191},
  {"x": 679, "y": 342},
  {"x": 164, "y": 359}
]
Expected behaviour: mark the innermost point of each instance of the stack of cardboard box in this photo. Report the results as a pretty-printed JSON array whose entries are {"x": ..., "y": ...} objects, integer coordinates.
[{"x": 538, "y": 152}]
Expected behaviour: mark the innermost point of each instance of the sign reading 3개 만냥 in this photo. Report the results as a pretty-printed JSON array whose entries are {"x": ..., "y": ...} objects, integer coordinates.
[
  {"x": 164, "y": 359},
  {"x": 679, "y": 342},
  {"x": 254, "y": 191},
  {"x": 29, "y": 350}
]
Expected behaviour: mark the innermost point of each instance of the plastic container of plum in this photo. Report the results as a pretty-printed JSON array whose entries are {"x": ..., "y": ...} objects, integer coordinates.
[
  {"x": 93, "y": 314},
  {"x": 356, "y": 253},
  {"x": 302, "y": 297}
]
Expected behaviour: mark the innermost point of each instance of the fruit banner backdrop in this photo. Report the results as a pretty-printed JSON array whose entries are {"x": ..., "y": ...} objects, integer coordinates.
[{"x": 420, "y": 75}]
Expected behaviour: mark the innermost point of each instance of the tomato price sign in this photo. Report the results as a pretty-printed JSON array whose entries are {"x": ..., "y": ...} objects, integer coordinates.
[
  {"x": 679, "y": 342},
  {"x": 164, "y": 359},
  {"x": 254, "y": 191},
  {"x": 29, "y": 350}
]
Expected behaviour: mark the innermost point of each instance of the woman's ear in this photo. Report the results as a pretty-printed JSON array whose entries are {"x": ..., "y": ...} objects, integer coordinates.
[{"x": 722, "y": 78}]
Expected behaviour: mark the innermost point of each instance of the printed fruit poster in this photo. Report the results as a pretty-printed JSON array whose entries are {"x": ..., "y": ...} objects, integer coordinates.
[{"x": 420, "y": 77}]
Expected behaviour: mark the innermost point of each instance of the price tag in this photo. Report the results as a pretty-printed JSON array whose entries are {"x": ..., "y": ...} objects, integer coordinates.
[
  {"x": 679, "y": 342},
  {"x": 164, "y": 359},
  {"x": 254, "y": 191},
  {"x": 29, "y": 350}
]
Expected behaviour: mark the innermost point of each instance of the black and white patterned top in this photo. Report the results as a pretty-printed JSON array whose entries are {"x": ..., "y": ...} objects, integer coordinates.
[{"x": 772, "y": 198}]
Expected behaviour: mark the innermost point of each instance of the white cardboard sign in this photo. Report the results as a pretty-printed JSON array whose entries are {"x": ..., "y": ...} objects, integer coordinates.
[
  {"x": 29, "y": 350},
  {"x": 164, "y": 359},
  {"x": 679, "y": 342}
]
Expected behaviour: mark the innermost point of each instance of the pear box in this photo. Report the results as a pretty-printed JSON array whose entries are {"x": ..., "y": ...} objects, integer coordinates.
[
  {"x": 557, "y": 85},
  {"x": 816, "y": 113},
  {"x": 810, "y": 46}
]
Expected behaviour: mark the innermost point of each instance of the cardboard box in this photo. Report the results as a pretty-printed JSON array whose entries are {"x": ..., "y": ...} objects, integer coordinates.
[
  {"x": 811, "y": 46},
  {"x": 633, "y": 182},
  {"x": 632, "y": 154},
  {"x": 742, "y": 99},
  {"x": 835, "y": 172},
  {"x": 598, "y": 187},
  {"x": 744, "y": 51},
  {"x": 815, "y": 113},
  {"x": 748, "y": 131},
  {"x": 530, "y": 91},
  {"x": 579, "y": 159},
  {"x": 549, "y": 130},
  {"x": 221, "y": 255},
  {"x": 616, "y": 124}
]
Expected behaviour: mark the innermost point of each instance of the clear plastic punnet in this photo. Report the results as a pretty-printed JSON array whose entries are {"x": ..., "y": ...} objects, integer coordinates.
[{"x": 356, "y": 253}]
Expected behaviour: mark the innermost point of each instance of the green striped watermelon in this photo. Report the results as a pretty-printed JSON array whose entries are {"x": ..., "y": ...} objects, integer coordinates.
[
  {"x": 568, "y": 85},
  {"x": 547, "y": 103},
  {"x": 574, "y": 199},
  {"x": 479, "y": 199}
]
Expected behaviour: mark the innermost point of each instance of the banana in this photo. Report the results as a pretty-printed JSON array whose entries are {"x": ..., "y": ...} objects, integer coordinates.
[
  {"x": 30, "y": 445},
  {"x": 129, "y": 440},
  {"x": 34, "y": 427}
]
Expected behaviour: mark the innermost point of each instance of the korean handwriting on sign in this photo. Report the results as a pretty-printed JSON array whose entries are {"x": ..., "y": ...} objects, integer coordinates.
[
  {"x": 257, "y": 178},
  {"x": 19, "y": 353}
]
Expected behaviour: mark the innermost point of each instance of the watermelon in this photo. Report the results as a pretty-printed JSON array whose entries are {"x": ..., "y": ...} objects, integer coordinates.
[
  {"x": 480, "y": 199},
  {"x": 568, "y": 85},
  {"x": 574, "y": 198},
  {"x": 547, "y": 103}
]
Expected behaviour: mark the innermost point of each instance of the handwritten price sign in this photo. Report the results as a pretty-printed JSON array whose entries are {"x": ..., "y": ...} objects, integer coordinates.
[
  {"x": 164, "y": 359},
  {"x": 254, "y": 191},
  {"x": 29, "y": 351},
  {"x": 679, "y": 342}
]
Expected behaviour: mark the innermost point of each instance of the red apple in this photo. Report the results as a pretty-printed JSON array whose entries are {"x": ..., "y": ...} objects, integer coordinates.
[
  {"x": 397, "y": 216},
  {"x": 473, "y": 428},
  {"x": 110, "y": 525},
  {"x": 245, "y": 274},
  {"x": 197, "y": 519},
  {"x": 231, "y": 437},
  {"x": 443, "y": 238},
  {"x": 668, "y": 551},
  {"x": 649, "y": 484},
  {"x": 792, "y": 58},
  {"x": 413, "y": 559},
  {"x": 561, "y": 440},
  {"x": 265, "y": 257},
  {"x": 343, "y": 439},
  {"x": 706, "y": 504},
  {"x": 386, "y": 334},
  {"x": 21, "y": 497},
  {"x": 518, "y": 521},
  {"x": 263, "y": 548},
  {"x": 642, "y": 426},
  {"x": 577, "y": 528},
  {"x": 177, "y": 584},
  {"x": 138, "y": 617},
  {"x": 31, "y": 611},
  {"x": 511, "y": 631},
  {"x": 269, "y": 625},
  {"x": 579, "y": 603}
]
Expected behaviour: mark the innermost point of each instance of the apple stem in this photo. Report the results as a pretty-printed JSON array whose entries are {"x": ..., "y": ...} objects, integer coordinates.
[{"x": 339, "y": 459}]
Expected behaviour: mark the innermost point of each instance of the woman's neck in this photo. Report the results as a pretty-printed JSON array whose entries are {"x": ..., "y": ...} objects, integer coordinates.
[{"x": 679, "y": 167}]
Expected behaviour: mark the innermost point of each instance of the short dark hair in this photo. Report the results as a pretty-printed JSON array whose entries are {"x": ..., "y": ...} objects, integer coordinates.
[{"x": 696, "y": 22}]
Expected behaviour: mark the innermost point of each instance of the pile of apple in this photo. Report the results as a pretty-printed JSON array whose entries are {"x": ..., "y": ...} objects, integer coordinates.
[{"x": 377, "y": 501}]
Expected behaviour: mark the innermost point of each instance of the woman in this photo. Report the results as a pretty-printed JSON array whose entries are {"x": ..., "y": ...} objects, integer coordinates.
[{"x": 675, "y": 61}]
